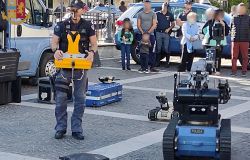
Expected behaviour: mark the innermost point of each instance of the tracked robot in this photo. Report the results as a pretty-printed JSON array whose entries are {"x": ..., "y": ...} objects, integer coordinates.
[
  {"x": 211, "y": 60},
  {"x": 164, "y": 112},
  {"x": 196, "y": 128}
]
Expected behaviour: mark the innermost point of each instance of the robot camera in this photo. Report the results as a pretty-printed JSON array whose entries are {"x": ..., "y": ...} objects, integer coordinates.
[{"x": 218, "y": 32}]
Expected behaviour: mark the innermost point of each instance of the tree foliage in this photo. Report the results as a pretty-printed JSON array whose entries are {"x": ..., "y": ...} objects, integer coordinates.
[
  {"x": 215, "y": 3},
  {"x": 230, "y": 3}
]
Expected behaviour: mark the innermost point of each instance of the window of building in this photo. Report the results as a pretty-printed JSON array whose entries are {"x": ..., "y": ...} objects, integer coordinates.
[{"x": 50, "y": 4}]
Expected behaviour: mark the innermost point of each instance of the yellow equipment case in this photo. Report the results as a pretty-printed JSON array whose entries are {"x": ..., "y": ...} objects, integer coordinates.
[
  {"x": 73, "y": 58},
  {"x": 76, "y": 61}
]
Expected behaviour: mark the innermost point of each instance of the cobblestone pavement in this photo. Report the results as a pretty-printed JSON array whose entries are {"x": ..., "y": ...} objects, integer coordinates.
[{"x": 120, "y": 130}]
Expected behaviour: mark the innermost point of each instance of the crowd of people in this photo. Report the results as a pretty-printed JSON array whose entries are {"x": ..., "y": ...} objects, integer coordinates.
[{"x": 154, "y": 35}]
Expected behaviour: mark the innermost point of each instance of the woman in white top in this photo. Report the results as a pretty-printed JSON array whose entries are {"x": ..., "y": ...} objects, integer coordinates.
[{"x": 190, "y": 31}]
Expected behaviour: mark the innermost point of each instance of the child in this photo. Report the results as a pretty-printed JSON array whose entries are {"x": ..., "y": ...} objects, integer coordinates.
[
  {"x": 126, "y": 37},
  {"x": 144, "y": 52}
]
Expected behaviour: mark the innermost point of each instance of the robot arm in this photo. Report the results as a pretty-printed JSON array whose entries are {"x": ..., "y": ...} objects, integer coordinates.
[{"x": 224, "y": 90}]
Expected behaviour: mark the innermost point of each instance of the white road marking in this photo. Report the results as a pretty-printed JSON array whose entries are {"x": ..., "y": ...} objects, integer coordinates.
[
  {"x": 243, "y": 81},
  {"x": 87, "y": 111},
  {"x": 130, "y": 145},
  {"x": 28, "y": 97},
  {"x": 11, "y": 156},
  {"x": 171, "y": 91},
  {"x": 111, "y": 58},
  {"x": 145, "y": 78},
  {"x": 146, "y": 89},
  {"x": 235, "y": 110},
  {"x": 240, "y": 98},
  {"x": 240, "y": 129},
  {"x": 120, "y": 69}
]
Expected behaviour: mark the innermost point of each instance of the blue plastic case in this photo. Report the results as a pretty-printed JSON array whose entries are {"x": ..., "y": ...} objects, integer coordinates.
[{"x": 103, "y": 93}]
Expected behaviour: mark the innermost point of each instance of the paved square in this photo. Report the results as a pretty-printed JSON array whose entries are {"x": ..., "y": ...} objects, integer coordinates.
[{"x": 121, "y": 130}]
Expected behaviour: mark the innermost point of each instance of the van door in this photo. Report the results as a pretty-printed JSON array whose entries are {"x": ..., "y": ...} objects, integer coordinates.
[{"x": 34, "y": 39}]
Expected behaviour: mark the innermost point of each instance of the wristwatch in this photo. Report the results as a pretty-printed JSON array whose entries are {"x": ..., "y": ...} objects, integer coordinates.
[
  {"x": 54, "y": 50},
  {"x": 94, "y": 52}
]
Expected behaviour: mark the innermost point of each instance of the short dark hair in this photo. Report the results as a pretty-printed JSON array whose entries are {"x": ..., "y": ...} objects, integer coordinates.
[
  {"x": 126, "y": 20},
  {"x": 122, "y": 3},
  {"x": 189, "y": 2},
  {"x": 217, "y": 12}
]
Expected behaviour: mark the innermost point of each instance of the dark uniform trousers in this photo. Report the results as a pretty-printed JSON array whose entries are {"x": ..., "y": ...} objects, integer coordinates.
[{"x": 63, "y": 81}]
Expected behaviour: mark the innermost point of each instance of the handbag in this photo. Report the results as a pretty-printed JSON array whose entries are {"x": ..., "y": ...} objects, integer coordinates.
[{"x": 197, "y": 45}]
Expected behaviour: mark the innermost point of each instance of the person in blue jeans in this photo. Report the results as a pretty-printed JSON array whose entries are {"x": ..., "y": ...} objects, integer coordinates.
[
  {"x": 61, "y": 43},
  {"x": 146, "y": 23},
  {"x": 165, "y": 24},
  {"x": 145, "y": 46},
  {"x": 126, "y": 38}
]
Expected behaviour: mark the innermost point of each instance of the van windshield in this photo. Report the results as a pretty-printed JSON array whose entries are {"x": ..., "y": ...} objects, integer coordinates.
[{"x": 129, "y": 13}]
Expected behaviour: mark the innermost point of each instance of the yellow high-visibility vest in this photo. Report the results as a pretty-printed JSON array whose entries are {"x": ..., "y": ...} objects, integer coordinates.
[
  {"x": 73, "y": 45},
  {"x": 73, "y": 58}
]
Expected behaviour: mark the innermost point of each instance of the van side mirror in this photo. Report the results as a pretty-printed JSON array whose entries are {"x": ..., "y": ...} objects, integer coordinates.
[{"x": 19, "y": 30}]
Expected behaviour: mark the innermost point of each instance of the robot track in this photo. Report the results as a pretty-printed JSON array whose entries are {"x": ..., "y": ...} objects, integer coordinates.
[
  {"x": 225, "y": 139},
  {"x": 169, "y": 140}
]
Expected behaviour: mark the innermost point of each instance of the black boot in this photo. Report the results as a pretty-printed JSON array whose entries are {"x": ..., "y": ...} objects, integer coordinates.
[
  {"x": 60, "y": 134},
  {"x": 78, "y": 135}
]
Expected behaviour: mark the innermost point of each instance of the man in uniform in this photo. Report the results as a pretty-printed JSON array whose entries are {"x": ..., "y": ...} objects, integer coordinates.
[
  {"x": 67, "y": 32},
  {"x": 183, "y": 16},
  {"x": 165, "y": 23}
]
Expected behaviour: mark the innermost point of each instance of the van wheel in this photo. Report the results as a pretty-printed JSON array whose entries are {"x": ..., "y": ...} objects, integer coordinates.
[
  {"x": 135, "y": 53},
  {"x": 47, "y": 65}
]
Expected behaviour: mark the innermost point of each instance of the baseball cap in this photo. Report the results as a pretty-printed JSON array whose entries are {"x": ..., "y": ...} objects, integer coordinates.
[
  {"x": 79, "y": 4},
  {"x": 146, "y": 0}
]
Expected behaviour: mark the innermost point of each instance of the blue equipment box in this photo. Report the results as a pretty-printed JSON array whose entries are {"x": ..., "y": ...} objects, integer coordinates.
[
  {"x": 103, "y": 93},
  {"x": 199, "y": 141}
]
